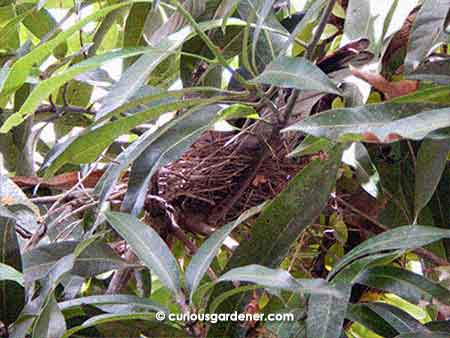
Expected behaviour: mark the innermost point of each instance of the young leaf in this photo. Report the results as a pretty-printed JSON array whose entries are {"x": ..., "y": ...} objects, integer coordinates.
[
  {"x": 201, "y": 261},
  {"x": 430, "y": 164},
  {"x": 149, "y": 247},
  {"x": 46, "y": 87},
  {"x": 289, "y": 72},
  {"x": 22, "y": 67}
]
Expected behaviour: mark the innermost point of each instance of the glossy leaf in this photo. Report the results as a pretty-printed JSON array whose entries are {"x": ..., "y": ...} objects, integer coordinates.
[
  {"x": 149, "y": 247},
  {"x": 378, "y": 123},
  {"x": 297, "y": 73},
  {"x": 430, "y": 164}
]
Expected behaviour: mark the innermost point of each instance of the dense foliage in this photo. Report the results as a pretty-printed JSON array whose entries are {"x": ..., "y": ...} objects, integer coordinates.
[{"x": 221, "y": 156}]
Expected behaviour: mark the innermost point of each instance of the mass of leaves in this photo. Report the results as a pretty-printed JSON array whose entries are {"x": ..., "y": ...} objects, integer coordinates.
[{"x": 224, "y": 156}]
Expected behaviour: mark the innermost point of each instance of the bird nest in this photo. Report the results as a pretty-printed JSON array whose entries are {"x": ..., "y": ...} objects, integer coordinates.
[{"x": 217, "y": 178}]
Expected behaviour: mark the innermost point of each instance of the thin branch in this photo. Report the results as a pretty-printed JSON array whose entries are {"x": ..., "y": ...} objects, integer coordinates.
[
  {"x": 420, "y": 251},
  {"x": 309, "y": 54}
]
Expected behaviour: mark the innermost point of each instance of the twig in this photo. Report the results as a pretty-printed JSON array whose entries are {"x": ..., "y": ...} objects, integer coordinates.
[
  {"x": 420, "y": 251},
  {"x": 309, "y": 54}
]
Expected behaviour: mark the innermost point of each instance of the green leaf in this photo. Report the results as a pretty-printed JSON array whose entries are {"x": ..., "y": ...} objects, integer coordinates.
[
  {"x": 289, "y": 72},
  {"x": 433, "y": 94},
  {"x": 22, "y": 67},
  {"x": 12, "y": 295},
  {"x": 278, "y": 279},
  {"x": 97, "y": 258},
  {"x": 8, "y": 31},
  {"x": 201, "y": 261},
  {"x": 400, "y": 282},
  {"x": 98, "y": 300},
  {"x": 427, "y": 31},
  {"x": 351, "y": 272},
  {"x": 283, "y": 220},
  {"x": 137, "y": 74},
  {"x": 362, "y": 314},
  {"x": 311, "y": 15},
  {"x": 401, "y": 238},
  {"x": 423, "y": 335},
  {"x": 9, "y": 273},
  {"x": 11, "y": 194},
  {"x": 135, "y": 24},
  {"x": 157, "y": 148},
  {"x": 400, "y": 320},
  {"x": 435, "y": 71},
  {"x": 50, "y": 322},
  {"x": 326, "y": 313},
  {"x": 88, "y": 146},
  {"x": 357, "y": 157},
  {"x": 288, "y": 214},
  {"x": 110, "y": 318},
  {"x": 430, "y": 164},
  {"x": 40, "y": 23},
  {"x": 376, "y": 22},
  {"x": 311, "y": 145},
  {"x": 46, "y": 87},
  {"x": 379, "y": 123},
  {"x": 149, "y": 247}
]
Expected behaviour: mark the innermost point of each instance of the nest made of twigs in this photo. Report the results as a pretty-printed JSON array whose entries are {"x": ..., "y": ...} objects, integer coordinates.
[{"x": 211, "y": 171}]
